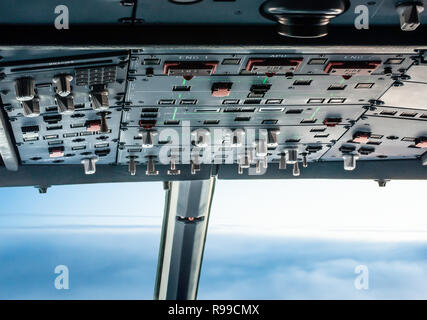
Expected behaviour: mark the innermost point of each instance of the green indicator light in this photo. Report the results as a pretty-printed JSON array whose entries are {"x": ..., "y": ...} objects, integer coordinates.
[
  {"x": 331, "y": 95},
  {"x": 184, "y": 82},
  {"x": 180, "y": 95},
  {"x": 314, "y": 113},
  {"x": 265, "y": 80},
  {"x": 174, "y": 113}
]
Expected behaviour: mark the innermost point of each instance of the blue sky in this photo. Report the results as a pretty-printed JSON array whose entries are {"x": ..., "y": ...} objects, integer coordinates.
[{"x": 267, "y": 240}]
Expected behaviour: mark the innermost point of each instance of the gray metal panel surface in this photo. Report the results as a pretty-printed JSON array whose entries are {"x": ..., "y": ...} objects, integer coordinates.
[
  {"x": 286, "y": 115},
  {"x": 43, "y": 71},
  {"x": 142, "y": 97},
  {"x": 391, "y": 138},
  {"x": 410, "y": 95},
  {"x": 71, "y": 134},
  {"x": 27, "y": 12},
  {"x": 247, "y": 12},
  {"x": 151, "y": 90}
]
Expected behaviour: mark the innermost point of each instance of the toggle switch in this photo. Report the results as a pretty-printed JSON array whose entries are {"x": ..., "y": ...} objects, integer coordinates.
[
  {"x": 31, "y": 108},
  {"x": 261, "y": 148},
  {"x": 147, "y": 138},
  {"x": 195, "y": 162},
  {"x": 173, "y": 171},
  {"x": 151, "y": 167},
  {"x": 239, "y": 169},
  {"x": 250, "y": 152},
  {"x": 258, "y": 166},
  {"x": 24, "y": 89},
  {"x": 272, "y": 138},
  {"x": 195, "y": 167},
  {"x": 424, "y": 159},
  {"x": 292, "y": 156},
  {"x": 99, "y": 99},
  {"x": 282, "y": 161},
  {"x": 304, "y": 160},
  {"x": 409, "y": 14},
  {"x": 296, "y": 172},
  {"x": 65, "y": 104},
  {"x": 63, "y": 84},
  {"x": 200, "y": 137},
  {"x": 104, "y": 126},
  {"x": 293, "y": 159},
  {"x": 89, "y": 165},
  {"x": 244, "y": 161},
  {"x": 265, "y": 162},
  {"x": 350, "y": 161},
  {"x": 237, "y": 138},
  {"x": 132, "y": 165}
]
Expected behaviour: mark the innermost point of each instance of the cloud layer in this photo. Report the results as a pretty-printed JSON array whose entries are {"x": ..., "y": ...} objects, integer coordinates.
[{"x": 122, "y": 265}]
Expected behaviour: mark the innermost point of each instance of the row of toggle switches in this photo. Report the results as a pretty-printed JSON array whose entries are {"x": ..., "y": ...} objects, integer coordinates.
[
  {"x": 288, "y": 157},
  {"x": 25, "y": 93},
  {"x": 200, "y": 138}
]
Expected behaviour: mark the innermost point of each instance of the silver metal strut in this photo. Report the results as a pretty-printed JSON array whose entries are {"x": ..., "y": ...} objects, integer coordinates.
[{"x": 185, "y": 225}]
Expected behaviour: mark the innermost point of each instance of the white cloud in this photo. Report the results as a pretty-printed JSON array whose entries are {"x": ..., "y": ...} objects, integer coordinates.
[
  {"x": 331, "y": 209},
  {"x": 295, "y": 269}
]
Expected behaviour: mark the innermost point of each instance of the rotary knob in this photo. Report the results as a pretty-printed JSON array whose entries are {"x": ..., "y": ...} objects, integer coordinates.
[{"x": 303, "y": 19}]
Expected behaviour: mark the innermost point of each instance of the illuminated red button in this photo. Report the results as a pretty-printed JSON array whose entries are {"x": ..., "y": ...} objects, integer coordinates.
[
  {"x": 332, "y": 122},
  {"x": 93, "y": 126},
  {"x": 361, "y": 137},
  {"x": 221, "y": 92},
  {"x": 422, "y": 143},
  {"x": 56, "y": 153},
  {"x": 221, "y": 89}
]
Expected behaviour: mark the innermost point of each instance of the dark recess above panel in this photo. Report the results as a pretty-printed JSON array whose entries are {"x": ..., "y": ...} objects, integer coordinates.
[{"x": 129, "y": 37}]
